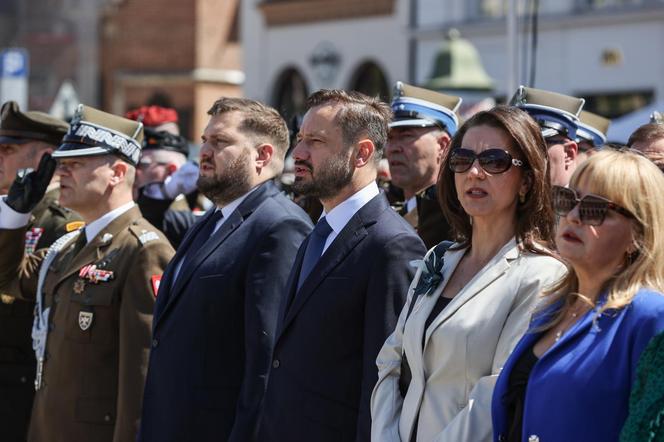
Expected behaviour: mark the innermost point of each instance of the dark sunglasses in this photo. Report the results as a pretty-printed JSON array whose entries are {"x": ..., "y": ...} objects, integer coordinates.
[
  {"x": 491, "y": 160},
  {"x": 592, "y": 208}
]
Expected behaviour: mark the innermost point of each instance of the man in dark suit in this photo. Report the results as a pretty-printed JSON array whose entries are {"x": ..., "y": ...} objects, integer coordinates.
[
  {"x": 421, "y": 130},
  {"x": 216, "y": 312},
  {"x": 349, "y": 281}
]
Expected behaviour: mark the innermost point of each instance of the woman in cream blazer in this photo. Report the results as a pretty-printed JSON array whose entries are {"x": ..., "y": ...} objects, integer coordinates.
[{"x": 498, "y": 203}]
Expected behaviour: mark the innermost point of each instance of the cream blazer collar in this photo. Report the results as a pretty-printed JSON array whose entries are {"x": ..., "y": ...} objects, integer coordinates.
[{"x": 496, "y": 267}]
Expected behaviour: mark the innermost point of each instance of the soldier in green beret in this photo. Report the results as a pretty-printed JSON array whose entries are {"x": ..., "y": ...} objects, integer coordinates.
[{"x": 24, "y": 138}]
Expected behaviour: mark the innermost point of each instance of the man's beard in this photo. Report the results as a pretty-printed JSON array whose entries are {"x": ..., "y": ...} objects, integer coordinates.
[
  {"x": 327, "y": 179},
  {"x": 234, "y": 182}
]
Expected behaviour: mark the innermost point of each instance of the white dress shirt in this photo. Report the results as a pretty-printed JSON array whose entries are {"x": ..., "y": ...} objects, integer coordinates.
[
  {"x": 341, "y": 214},
  {"x": 96, "y": 226}
]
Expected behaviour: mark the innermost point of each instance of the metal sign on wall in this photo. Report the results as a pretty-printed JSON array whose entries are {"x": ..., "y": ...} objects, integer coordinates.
[{"x": 14, "y": 76}]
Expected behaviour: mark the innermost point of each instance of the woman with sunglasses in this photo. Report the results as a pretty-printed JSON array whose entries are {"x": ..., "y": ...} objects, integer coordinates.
[
  {"x": 569, "y": 378},
  {"x": 463, "y": 317}
]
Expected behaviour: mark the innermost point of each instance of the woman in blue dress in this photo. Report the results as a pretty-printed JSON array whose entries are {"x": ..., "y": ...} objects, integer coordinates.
[{"x": 570, "y": 376}]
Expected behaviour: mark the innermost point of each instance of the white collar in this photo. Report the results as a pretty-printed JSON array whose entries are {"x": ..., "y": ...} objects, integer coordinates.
[
  {"x": 96, "y": 226},
  {"x": 341, "y": 214},
  {"x": 230, "y": 207}
]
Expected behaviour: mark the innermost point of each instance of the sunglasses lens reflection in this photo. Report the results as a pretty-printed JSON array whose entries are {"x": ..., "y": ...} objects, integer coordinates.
[
  {"x": 492, "y": 160},
  {"x": 592, "y": 211}
]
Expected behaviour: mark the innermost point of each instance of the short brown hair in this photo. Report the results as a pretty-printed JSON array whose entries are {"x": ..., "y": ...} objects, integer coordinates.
[
  {"x": 535, "y": 215},
  {"x": 361, "y": 115},
  {"x": 259, "y": 119},
  {"x": 646, "y": 134}
]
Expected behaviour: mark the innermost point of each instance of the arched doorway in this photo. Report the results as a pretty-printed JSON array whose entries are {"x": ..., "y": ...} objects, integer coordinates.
[
  {"x": 290, "y": 94},
  {"x": 370, "y": 80}
]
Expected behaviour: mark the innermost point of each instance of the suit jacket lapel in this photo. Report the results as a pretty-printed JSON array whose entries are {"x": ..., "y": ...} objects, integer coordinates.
[
  {"x": 349, "y": 237},
  {"x": 253, "y": 200},
  {"x": 291, "y": 286},
  {"x": 166, "y": 286},
  {"x": 491, "y": 271},
  {"x": 188, "y": 268}
]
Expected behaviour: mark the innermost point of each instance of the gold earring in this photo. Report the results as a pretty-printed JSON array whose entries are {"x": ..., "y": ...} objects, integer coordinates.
[{"x": 522, "y": 198}]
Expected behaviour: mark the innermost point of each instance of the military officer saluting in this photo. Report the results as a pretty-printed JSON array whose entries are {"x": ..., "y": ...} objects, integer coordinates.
[
  {"x": 24, "y": 138},
  {"x": 94, "y": 288}
]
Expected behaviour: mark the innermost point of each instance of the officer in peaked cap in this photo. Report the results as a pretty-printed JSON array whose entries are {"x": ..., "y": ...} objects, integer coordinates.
[
  {"x": 423, "y": 124},
  {"x": 558, "y": 118},
  {"x": 94, "y": 288},
  {"x": 24, "y": 138},
  {"x": 591, "y": 133}
]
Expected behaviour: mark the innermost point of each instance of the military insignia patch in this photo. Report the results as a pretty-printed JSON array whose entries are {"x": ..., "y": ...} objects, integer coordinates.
[
  {"x": 79, "y": 286},
  {"x": 74, "y": 225},
  {"x": 85, "y": 320},
  {"x": 31, "y": 238},
  {"x": 156, "y": 280},
  {"x": 147, "y": 236}
]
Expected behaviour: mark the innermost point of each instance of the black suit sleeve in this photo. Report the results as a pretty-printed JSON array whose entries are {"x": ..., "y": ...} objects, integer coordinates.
[
  {"x": 265, "y": 287},
  {"x": 391, "y": 275}
]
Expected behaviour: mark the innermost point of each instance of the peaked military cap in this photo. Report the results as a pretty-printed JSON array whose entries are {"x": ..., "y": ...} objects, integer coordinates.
[
  {"x": 592, "y": 128},
  {"x": 556, "y": 114},
  {"x": 93, "y": 132},
  {"x": 19, "y": 127},
  {"x": 416, "y": 107},
  {"x": 160, "y": 139}
]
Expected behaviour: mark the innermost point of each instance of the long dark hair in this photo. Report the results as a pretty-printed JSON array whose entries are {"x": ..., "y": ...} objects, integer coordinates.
[{"x": 535, "y": 218}]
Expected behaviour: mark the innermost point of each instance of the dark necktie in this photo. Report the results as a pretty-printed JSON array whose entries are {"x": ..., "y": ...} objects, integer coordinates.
[
  {"x": 81, "y": 241},
  {"x": 314, "y": 249},
  {"x": 203, "y": 235}
]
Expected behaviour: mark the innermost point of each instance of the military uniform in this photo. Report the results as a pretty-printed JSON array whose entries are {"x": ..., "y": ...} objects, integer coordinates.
[
  {"x": 95, "y": 296},
  {"x": 49, "y": 221},
  {"x": 427, "y": 218},
  {"x": 17, "y": 363},
  {"x": 99, "y": 331},
  {"x": 421, "y": 108}
]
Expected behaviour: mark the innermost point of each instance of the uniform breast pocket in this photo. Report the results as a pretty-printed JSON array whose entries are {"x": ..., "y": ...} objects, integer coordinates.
[{"x": 91, "y": 315}]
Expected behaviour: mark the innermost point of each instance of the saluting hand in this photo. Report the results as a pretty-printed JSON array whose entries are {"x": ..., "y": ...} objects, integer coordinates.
[{"x": 30, "y": 185}]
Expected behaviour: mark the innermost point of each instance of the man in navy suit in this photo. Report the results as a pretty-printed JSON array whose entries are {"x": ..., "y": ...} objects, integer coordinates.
[
  {"x": 216, "y": 312},
  {"x": 349, "y": 281}
]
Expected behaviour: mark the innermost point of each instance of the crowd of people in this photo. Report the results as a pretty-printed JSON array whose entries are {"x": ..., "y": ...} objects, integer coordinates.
[{"x": 419, "y": 278}]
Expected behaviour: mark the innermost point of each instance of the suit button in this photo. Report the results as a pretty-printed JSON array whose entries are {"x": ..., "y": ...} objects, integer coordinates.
[
  {"x": 533, "y": 438},
  {"x": 107, "y": 418},
  {"x": 276, "y": 363},
  {"x": 155, "y": 343}
]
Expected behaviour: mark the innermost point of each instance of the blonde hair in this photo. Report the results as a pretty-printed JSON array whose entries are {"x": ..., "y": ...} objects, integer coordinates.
[{"x": 633, "y": 182}]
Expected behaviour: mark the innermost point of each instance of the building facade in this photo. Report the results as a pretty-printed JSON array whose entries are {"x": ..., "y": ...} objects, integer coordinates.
[
  {"x": 603, "y": 50},
  {"x": 606, "y": 51},
  {"x": 180, "y": 54},
  {"x": 293, "y": 48}
]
